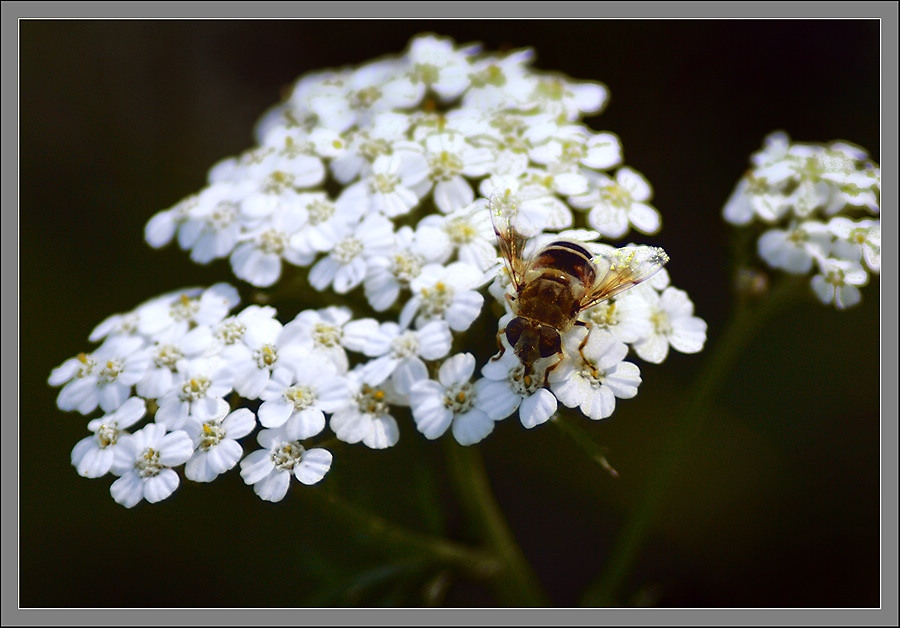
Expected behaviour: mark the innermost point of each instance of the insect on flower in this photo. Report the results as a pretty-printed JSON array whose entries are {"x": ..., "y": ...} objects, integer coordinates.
[{"x": 556, "y": 283}]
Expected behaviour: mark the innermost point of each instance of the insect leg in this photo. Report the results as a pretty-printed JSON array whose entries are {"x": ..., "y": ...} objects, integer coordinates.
[
  {"x": 594, "y": 372},
  {"x": 500, "y": 344}
]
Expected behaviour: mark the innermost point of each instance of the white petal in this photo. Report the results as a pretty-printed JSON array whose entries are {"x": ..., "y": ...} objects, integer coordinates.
[
  {"x": 275, "y": 412},
  {"x": 239, "y": 423},
  {"x": 175, "y": 448},
  {"x": 90, "y": 460},
  {"x": 457, "y": 369},
  {"x": 600, "y": 404},
  {"x": 305, "y": 424},
  {"x": 128, "y": 490},
  {"x": 313, "y": 466},
  {"x": 383, "y": 433},
  {"x": 224, "y": 456},
  {"x": 644, "y": 217},
  {"x": 348, "y": 276},
  {"x": 453, "y": 194},
  {"x": 322, "y": 273},
  {"x": 689, "y": 335},
  {"x": 160, "y": 486},
  {"x": 79, "y": 394},
  {"x": 273, "y": 487},
  {"x": 464, "y": 309},
  {"x": 407, "y": 373},
  {"x": 160, "y": 229},
  {"x": 472, "y": 427},
  {"x": 496, "y": 399},
  {"x": 537, "y": 408},
  {"x": 654, "y": 349},
  {"x": 623, "y": 382},
  {"x": 256, "y": 466},
  {"x": 255, "y": 267}
]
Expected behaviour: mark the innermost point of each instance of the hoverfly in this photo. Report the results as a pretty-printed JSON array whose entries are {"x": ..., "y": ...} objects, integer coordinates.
[{"x": 553, "y": 285}]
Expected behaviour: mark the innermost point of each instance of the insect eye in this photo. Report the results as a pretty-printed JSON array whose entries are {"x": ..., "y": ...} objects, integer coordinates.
[
  {"x": 549, "y": 343},
  {"x": 514, "y": 330}
]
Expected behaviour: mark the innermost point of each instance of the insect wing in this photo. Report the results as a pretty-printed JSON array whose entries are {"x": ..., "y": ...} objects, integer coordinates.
[
  {"x": 511, "y": 242},
  {"x": 622, "y": 269}
]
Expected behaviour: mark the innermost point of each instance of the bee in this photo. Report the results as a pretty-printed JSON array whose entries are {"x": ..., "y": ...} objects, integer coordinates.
[{"x": 553, "y": 285}]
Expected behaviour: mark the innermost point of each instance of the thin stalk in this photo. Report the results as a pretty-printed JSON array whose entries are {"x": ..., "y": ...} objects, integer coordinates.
[
  {"x": 400, "y": 540},
  {"x": 724, "y": 353},
  {"x": 515, "y": 584}
]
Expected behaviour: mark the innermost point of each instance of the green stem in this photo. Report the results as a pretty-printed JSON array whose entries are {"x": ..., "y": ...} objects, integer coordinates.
[
  {"x": 400, "y": 540},
  {"x": 724, "y": 353},
  {"x": 516, "y": 584}
]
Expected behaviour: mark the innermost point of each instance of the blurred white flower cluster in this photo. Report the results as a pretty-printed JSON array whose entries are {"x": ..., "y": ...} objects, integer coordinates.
[
  {"x": 374, "y": 179},
  {"x": 817, "y": 203}
]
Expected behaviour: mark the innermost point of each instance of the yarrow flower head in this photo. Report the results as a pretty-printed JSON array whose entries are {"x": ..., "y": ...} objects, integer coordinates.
[
  {"x": 387, "y": 216},
  {"x": 817, "y": 209}
]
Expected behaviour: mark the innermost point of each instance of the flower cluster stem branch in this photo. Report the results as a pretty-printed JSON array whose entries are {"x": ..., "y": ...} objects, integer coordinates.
[
  {"x": 400, "y": 540},
  {"x": 738, "y": 332},
  {"x": 516, "y": 584}
]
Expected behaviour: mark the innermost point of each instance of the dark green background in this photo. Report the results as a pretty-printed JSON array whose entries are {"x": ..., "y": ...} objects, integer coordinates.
[{"x": 776, "y": 503}]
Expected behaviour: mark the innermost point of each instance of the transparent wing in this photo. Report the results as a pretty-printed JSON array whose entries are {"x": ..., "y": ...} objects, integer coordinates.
[
  {"x": 510, "y": 241},
  {"x": 622, "y": 269}
]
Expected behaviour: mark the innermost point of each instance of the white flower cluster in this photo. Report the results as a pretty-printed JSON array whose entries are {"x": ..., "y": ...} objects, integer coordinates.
[
  {"x": 375, "y": 179},
  {"x": 817, "y": 202}
]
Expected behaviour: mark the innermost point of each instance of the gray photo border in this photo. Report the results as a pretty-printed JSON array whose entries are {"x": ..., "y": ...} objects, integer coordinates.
[{"x": 887, "y": 11}]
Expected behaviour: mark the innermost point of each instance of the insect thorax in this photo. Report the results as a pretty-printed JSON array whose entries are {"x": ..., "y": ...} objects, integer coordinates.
[{"x": 550, "y": 299}]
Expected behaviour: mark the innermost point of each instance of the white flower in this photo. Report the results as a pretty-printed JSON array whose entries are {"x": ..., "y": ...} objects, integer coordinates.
[
  {"x": 500, "y": 83},
  {"x": 467, "y": 232},
  {"x": 93, "y": 455},
  {"x": 231, "y": 331},
  {"x": 857, "y": 239},
  {"x": 794, "y": 249},
  {"x": 364, "y": 145},
  {"x": 398, "y": 180},
  {"x": 614, "y": 205},
  {"x": 368, "y": 418},
  {"x": 399, "y": 353},
  {"x": 103, "y": 378},
  {"x": 265, "y": 345},
  {"x": 326, "y": 221},
  {"x": 144, "y": 460},
  {"x": 438, "y": 66},
  {"x": 257, "y": 259},
  {"x": 468, "y": 408},
  {"x": 355, "y": 97},
  {"x": 198, "y": 390},
  {"x": 213, "y": 225},
  {"x": 626, "y": 316},
  {"x": 594, "y": 385},
  {"x": 176, "y": 312},
  {"x": 389, "y": 274},
  {"x": 347, "y": 264},
  {"x": 116, "y": 325},
  {"x": 169, "y": 356},
  {"x": 535, "y": 207},
  {"x": 451, "y": 162},
  {"x": 277, "y": 170},
  {"x": 215, "y": 442},
  {"x": 535, "y": 403},
  {"x": 301, "y": 396},
  {"x": 445, "y": 292},
  {"x": 838, "y": 282},
  {"x": 269, "y": 469},
  {"x": 673, "y": 324},
  {"x": 560, "y": 95},
  {"x": 321, "y": 333},
  {"x": 563, "y": 150}
]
